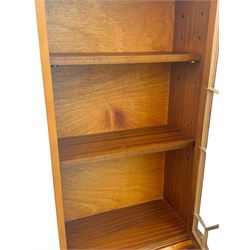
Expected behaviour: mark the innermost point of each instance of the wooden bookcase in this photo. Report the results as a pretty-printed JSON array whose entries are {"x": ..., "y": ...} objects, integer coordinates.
[{"x": 128, "y": 88}]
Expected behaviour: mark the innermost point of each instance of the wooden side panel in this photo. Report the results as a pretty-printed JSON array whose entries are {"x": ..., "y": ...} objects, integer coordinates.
[
  {"x": 193, "y": 26},
  {"x": 94, "y": 99},
  {"x": 191, "y": 22},
  {"x": 49, "y": 99},
  {"x": 178, "y": 177},
  {"x": 110, "y": 25},
  {"x": 93, "y": 188}
]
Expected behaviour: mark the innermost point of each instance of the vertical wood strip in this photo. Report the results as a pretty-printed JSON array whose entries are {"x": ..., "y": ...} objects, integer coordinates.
[
  {"x": 49, "y": 99},
  {"x": 206, "y": 107}
]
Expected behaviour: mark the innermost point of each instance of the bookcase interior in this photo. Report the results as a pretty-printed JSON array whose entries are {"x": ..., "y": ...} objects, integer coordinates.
[{"x": 127, "y": 84}]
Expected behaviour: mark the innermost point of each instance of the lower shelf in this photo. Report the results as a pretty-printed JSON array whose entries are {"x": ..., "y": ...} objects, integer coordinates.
[{"x": 150, "y": 225}]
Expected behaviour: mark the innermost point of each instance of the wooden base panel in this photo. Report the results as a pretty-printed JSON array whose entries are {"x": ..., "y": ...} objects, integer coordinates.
[
  {"x": 151, "y": 225},
  {"x": 187, "y": 244}
]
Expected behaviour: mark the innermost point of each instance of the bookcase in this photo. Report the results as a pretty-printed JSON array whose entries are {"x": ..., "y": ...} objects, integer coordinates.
[{"x": 128, "y": 87}]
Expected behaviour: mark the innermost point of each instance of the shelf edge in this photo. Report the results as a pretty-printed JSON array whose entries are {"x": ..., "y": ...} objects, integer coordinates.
[{"x": 120, "y": 58}]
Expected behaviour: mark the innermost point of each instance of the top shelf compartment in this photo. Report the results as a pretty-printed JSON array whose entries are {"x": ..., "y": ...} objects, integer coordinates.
[{"x": 121, "y": 58}]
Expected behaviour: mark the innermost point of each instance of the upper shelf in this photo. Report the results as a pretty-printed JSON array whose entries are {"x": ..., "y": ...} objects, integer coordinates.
[
  {"x": 120, "y": 58},
  {"x": 123, "y": 143}
]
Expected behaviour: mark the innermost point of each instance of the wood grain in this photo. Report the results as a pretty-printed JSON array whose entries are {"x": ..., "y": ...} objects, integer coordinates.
[
  {"x": 93, "y": 99},
  {"x": 120, "y": 58},
  {"x": 92, "y": 188},
  {"x": 178, "y": 174},
  {"x": 147, "y": 226},
  {"x": 110, "y": 26},
  {"x": 187, "y": 244},
  {"x": 105, "y": 112},
  {"x": 51, "y": 119},
  {"x": 192, "y": 19},
  {"x": 122, "y": 143},
  {"x": 191, "y": 22}
]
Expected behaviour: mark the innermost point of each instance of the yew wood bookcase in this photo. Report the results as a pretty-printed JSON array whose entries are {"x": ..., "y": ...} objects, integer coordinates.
[{"x": 128, "y": 87}]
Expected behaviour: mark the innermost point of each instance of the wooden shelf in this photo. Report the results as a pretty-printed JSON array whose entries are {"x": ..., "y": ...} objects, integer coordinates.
[
  {"x": 151, "y": 225},
  {"x": 123, "y": 143},
  {"x": 120, "y": 58}
]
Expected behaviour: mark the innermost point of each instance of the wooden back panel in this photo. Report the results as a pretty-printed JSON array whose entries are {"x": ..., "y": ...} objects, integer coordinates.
[
  {"x": 94, "y": 99},
  {"x": 110, "y": 25},
  {"x": 96, "y": 187},
  {"x": 103, "y": 98}
]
